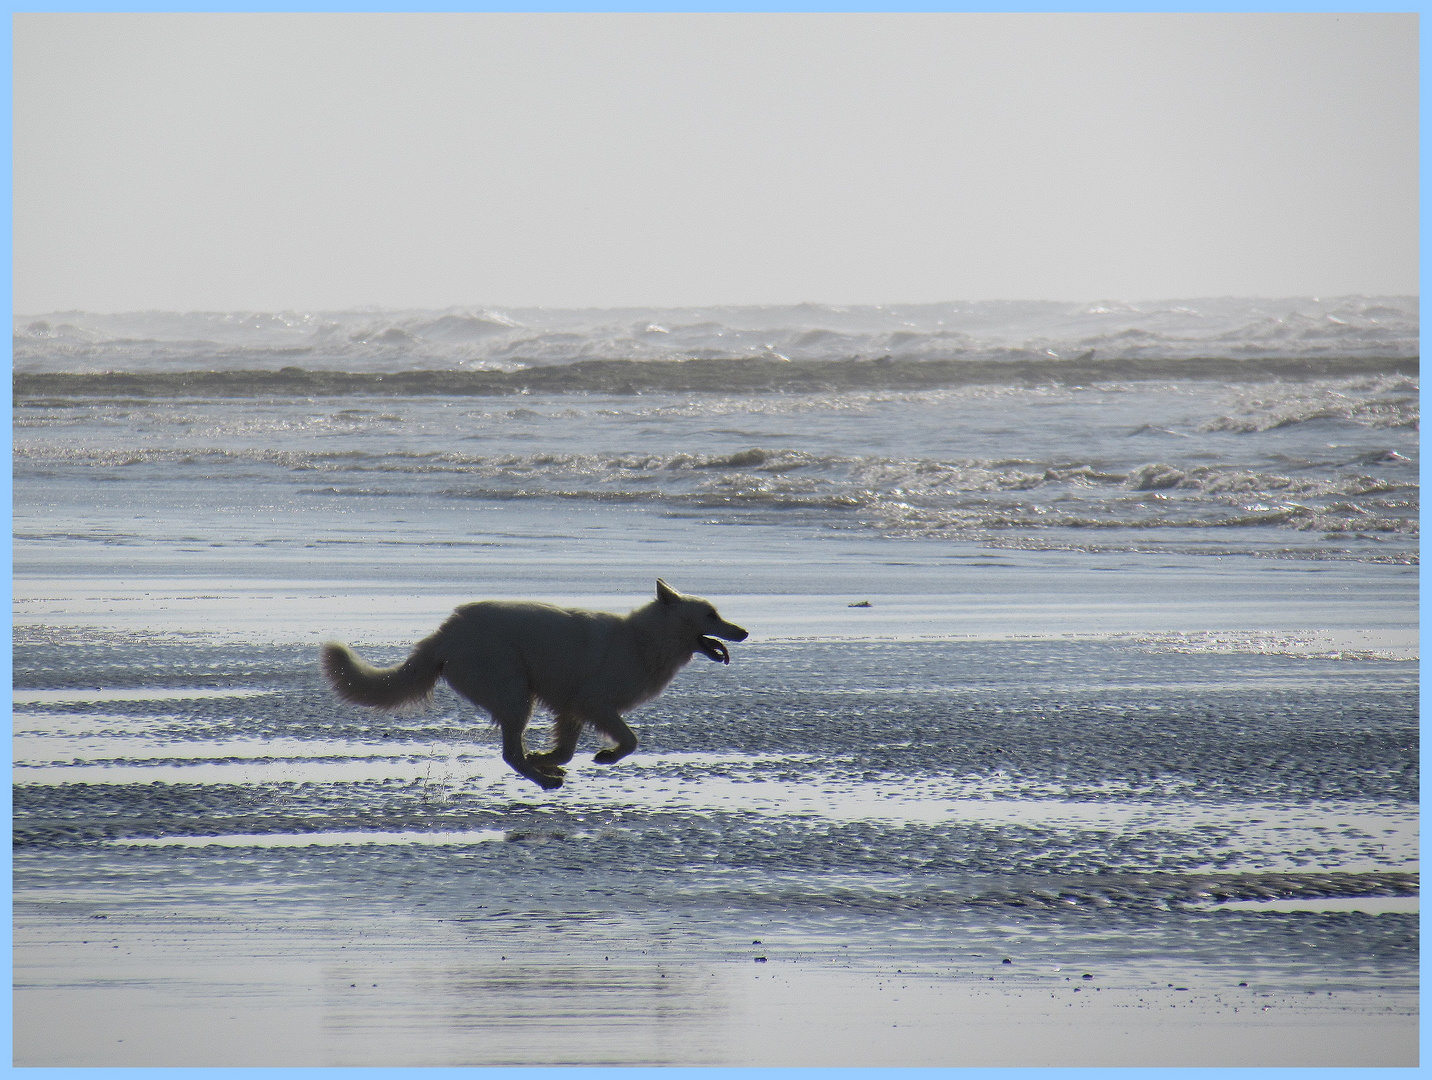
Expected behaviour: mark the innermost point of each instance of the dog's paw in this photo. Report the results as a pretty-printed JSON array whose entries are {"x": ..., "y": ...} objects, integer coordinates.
[
  {"x": 715, "y": 649},
  {"x": 609, "y": 755},
  {"x": 544, "y": 772}
]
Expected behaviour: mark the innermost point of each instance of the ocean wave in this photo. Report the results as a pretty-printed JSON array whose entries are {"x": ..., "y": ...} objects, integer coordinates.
[
  {"x": 1238, "y": 481},
  {"x": 420, "y": 463},
  {"x": 970, "y": 498},
  {"x": 747, "y": 376},
  {"x": 1386, "y": 403},
  {"x": 885, "y": 476},
  {"x": 513, "y": 339}
]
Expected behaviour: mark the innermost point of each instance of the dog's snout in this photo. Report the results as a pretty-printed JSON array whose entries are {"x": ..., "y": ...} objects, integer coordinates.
[{"x": 732, "y": 632}]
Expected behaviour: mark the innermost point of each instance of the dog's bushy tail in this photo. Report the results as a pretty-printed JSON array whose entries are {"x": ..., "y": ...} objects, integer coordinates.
[{"x": 407, "y": 684}]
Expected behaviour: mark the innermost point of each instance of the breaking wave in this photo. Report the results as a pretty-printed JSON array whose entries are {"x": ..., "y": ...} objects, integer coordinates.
[
  {"x": 738, "y": 376},
  {"x": 510, "y": 340},
  {"x": 922, "y": 497}
]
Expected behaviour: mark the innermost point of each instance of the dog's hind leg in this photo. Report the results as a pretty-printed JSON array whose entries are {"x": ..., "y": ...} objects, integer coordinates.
[
  {"x": 511, "y": 707},
  {"x": 545, "y": 776},
  {"x": 614, "y": 727},
  {"x": 565, "y": 731}
]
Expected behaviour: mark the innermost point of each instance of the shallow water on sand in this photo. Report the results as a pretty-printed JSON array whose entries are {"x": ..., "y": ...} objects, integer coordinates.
[
  {"x": 1135, "y": 807},
  {"x": 1156, "y": 730}
]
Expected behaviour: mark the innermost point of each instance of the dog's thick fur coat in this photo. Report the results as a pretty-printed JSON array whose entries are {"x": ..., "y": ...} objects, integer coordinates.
[{"x": 588, "y": 667}]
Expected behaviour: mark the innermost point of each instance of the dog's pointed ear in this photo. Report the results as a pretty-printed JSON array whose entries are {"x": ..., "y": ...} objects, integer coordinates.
[{"x": 665, "y": 593}]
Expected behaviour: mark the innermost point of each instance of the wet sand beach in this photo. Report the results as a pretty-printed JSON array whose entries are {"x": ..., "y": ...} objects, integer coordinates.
[
  {"x": 219, "y": 866},
  {"x": 256, "y": 989}
]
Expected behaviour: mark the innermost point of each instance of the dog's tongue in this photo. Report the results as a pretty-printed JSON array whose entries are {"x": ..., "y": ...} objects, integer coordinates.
[{"x": 714, "y": 649}]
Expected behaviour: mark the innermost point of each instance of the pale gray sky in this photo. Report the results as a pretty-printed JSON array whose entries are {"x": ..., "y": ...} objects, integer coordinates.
[{"x": 225, "y": 162}]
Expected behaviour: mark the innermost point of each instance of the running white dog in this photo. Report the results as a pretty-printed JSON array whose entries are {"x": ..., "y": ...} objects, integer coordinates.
[{"x": 588, "y": 667}]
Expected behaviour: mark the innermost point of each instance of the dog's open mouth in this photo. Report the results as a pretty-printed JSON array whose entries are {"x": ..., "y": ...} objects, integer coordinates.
[{"x": 714, "y": 649}]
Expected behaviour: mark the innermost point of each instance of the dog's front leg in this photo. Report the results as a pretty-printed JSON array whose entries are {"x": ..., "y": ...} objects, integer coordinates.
[{"x": 566, "y": 730}]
